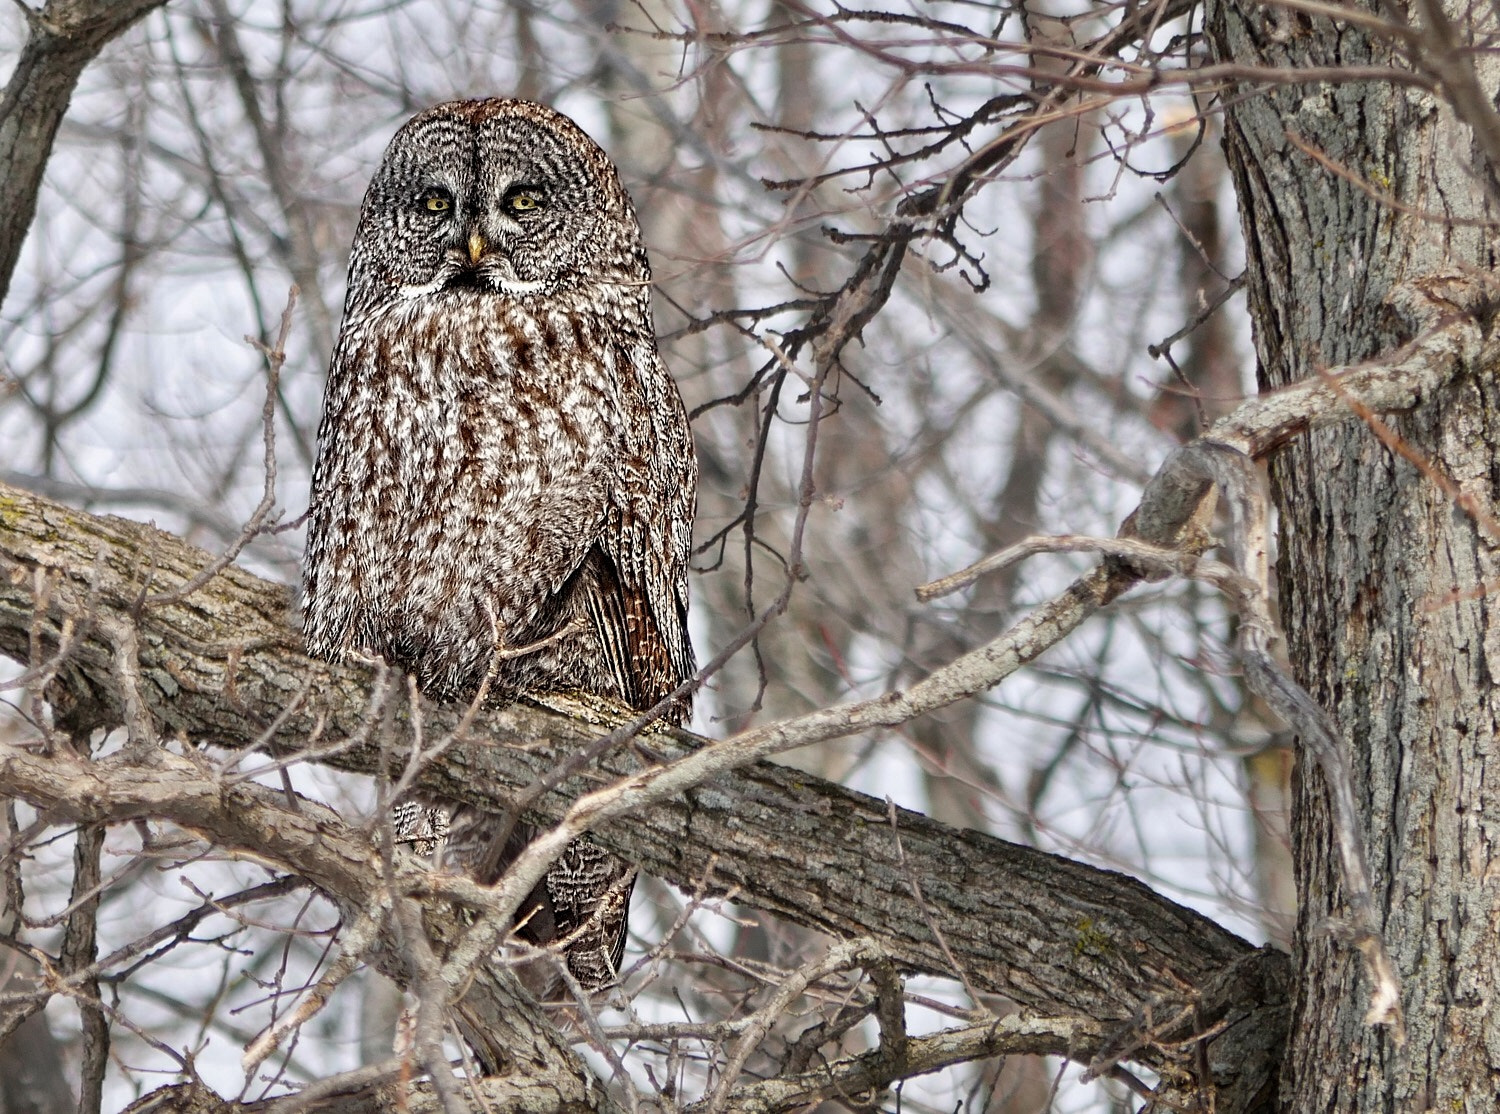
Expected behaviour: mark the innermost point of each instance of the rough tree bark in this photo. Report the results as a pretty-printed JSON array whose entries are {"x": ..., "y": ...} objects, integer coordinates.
[{"x": 1368, "y": 212}]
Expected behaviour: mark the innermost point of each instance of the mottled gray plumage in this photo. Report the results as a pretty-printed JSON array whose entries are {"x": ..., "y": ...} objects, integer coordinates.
[{"x": 502, "y": 456}]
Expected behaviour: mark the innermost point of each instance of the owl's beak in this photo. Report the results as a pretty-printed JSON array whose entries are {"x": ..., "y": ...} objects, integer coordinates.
[{"x": 476, "y": 248}]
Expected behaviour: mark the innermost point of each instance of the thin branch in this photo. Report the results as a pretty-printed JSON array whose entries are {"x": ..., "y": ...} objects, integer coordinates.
[{"x": 275, "y": 358}]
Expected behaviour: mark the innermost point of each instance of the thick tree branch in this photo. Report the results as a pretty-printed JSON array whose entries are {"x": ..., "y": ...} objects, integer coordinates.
[
  {"x": 225, "y": 667},
  {"x": 310, "y": 840}
]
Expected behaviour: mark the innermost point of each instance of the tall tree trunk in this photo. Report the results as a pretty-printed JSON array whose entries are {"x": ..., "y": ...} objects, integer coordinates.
[{"x": 1384, "y": 581}]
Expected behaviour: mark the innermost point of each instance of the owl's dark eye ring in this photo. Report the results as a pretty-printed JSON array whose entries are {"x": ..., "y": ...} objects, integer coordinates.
[
  {"x": 525, "y": 199},
  {"x": 436, "y": 200}
]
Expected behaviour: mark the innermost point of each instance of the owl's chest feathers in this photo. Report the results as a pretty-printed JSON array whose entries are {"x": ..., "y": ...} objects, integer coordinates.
[
  {"x": 468, "y": 465},
  {"x": 479, "y": 405}
]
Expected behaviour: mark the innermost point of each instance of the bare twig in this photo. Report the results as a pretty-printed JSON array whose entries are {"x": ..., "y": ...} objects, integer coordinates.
[
  {"x": 275, "y": 357},
  {"x": 840, "y": 957},
  {"x": 355, "y": 940}
]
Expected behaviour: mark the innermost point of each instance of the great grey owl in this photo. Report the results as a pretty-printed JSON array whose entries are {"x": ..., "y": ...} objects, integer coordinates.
[{"x": 503, "y": 457}]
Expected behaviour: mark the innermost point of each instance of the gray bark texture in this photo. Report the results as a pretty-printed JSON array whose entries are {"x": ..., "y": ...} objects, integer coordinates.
[
  {"x": 64, "y": 37},
  {"x": 1123, "y": 973},
  {"x": 1364, "y": 207}
]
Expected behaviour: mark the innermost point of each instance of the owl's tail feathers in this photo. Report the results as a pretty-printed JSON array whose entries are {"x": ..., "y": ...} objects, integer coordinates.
[{"x": 582, "y": 906}]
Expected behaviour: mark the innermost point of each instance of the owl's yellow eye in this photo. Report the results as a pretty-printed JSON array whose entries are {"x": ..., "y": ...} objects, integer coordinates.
[
  {"x": 436, "y": 201},
  {"x": 524, "y": 202}
]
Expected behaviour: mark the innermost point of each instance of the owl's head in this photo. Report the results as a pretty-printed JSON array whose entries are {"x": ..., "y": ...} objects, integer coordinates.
[{"x": 504, "y": 197}]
